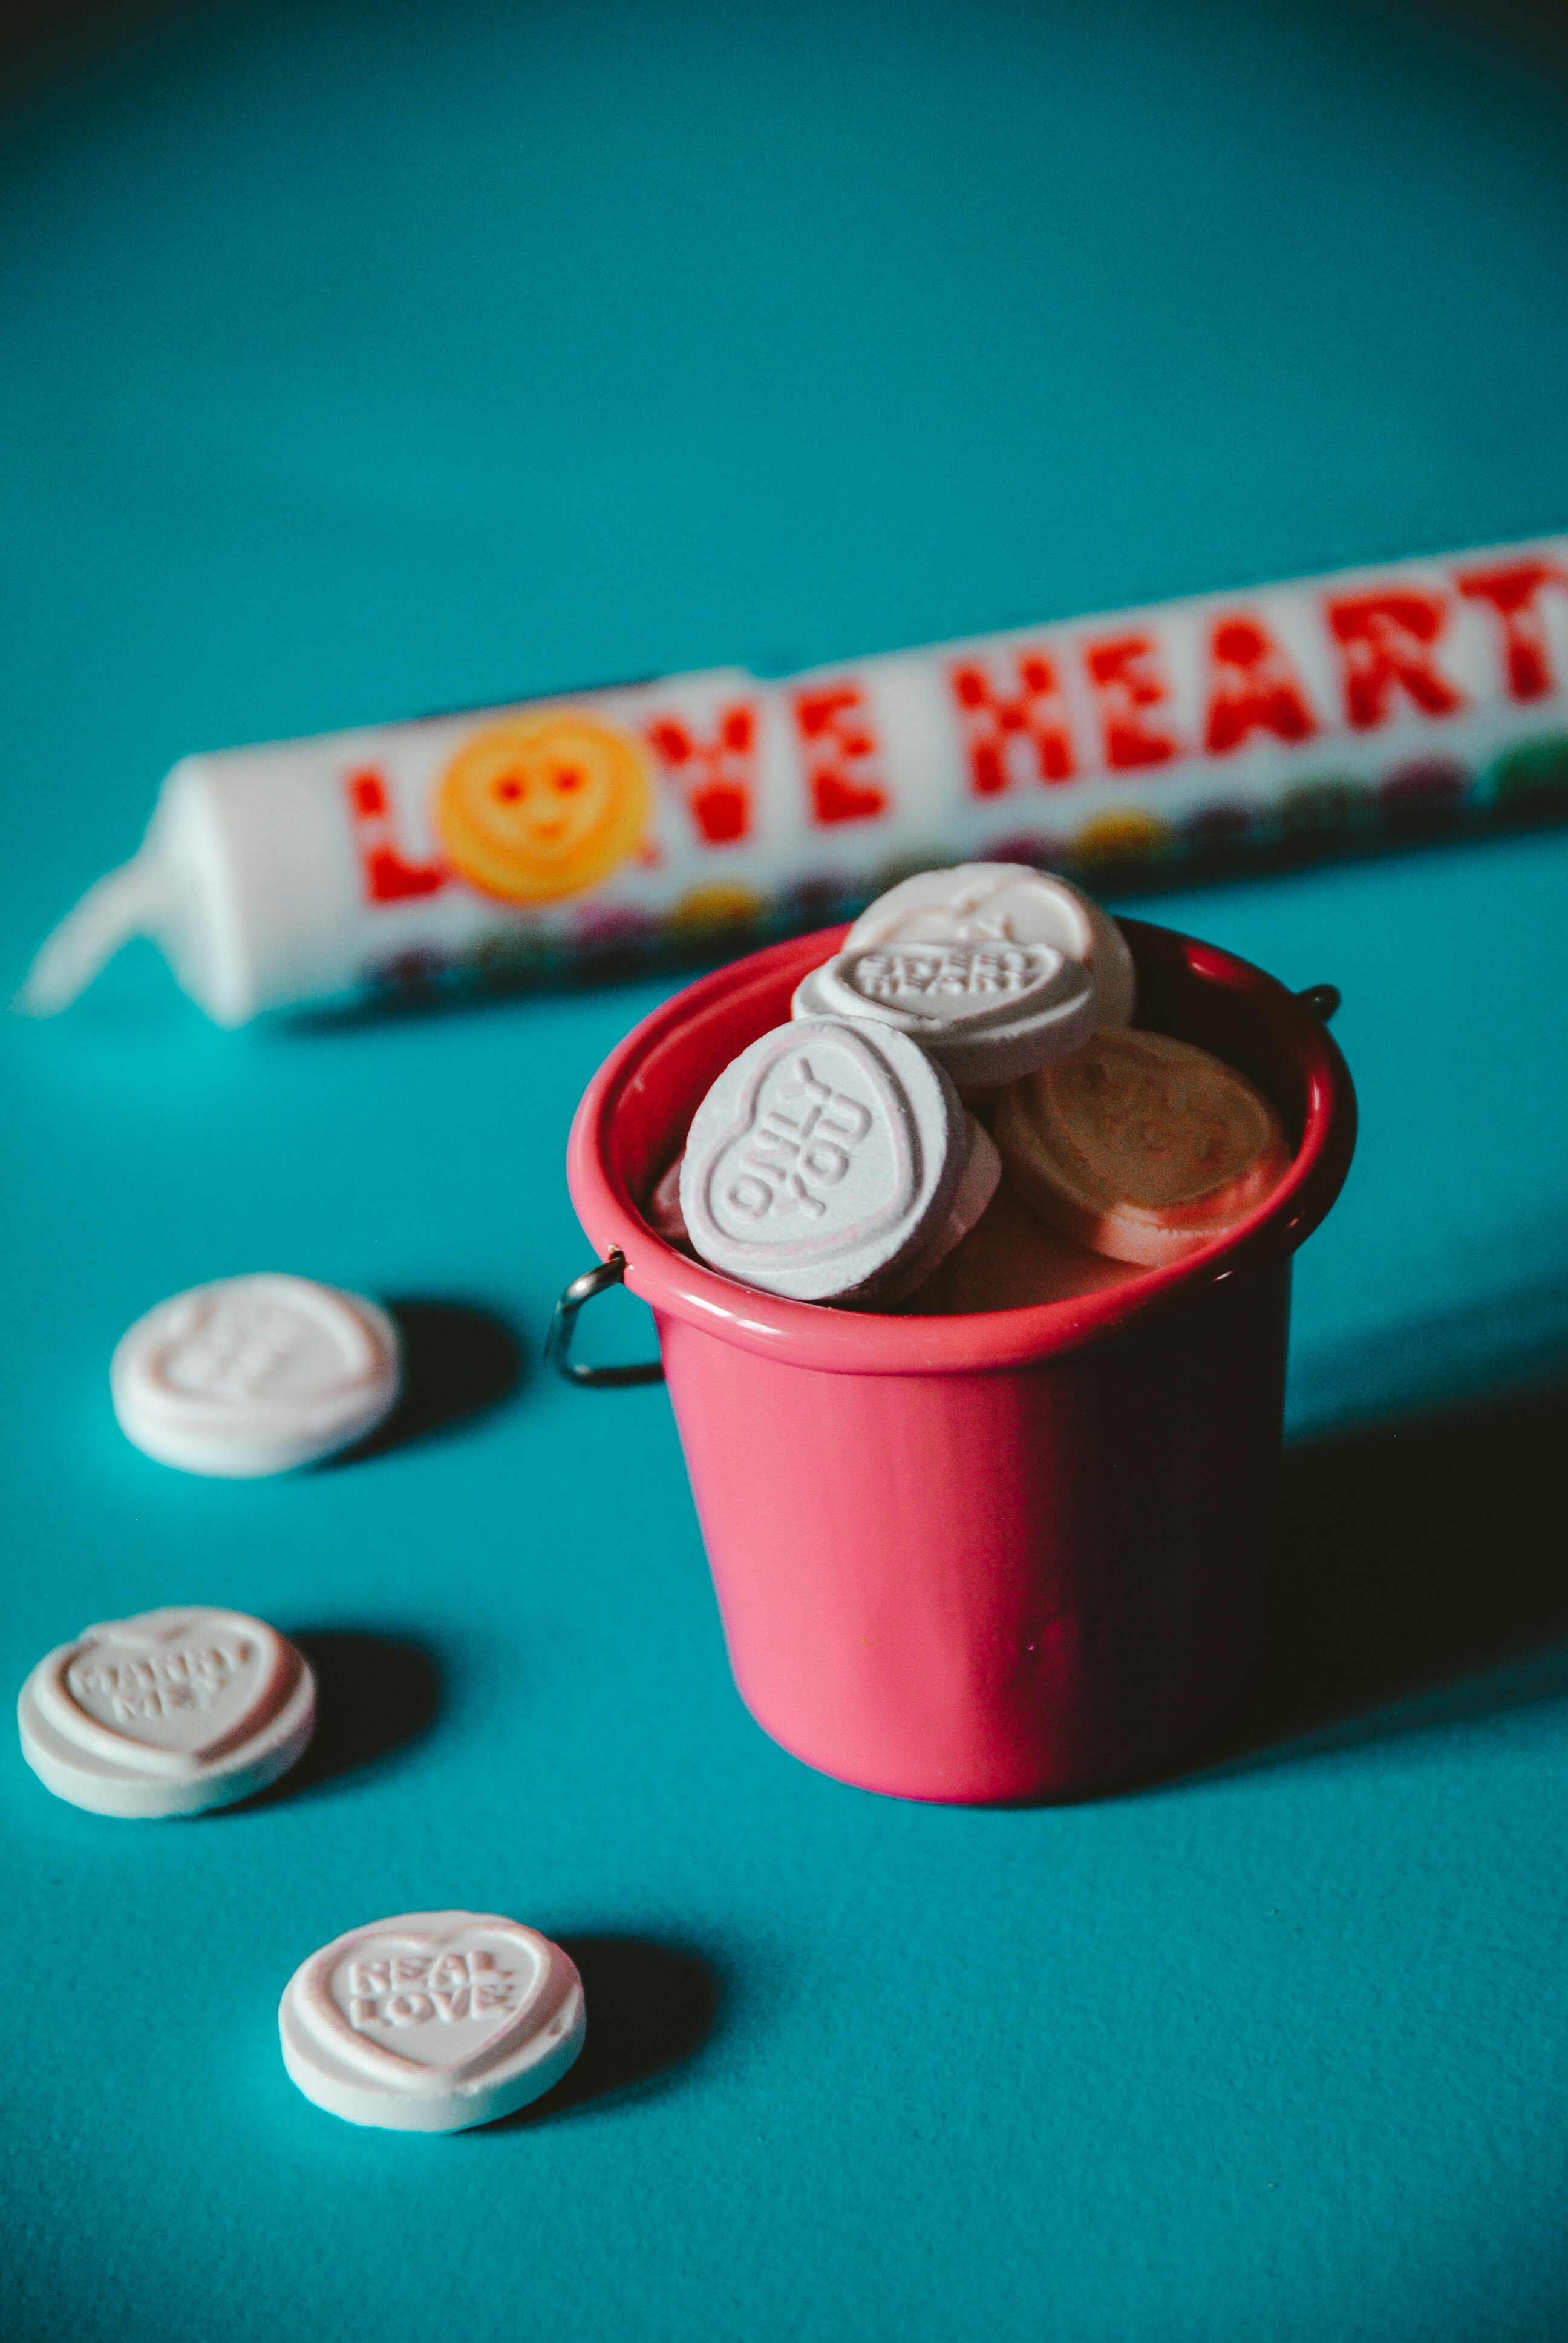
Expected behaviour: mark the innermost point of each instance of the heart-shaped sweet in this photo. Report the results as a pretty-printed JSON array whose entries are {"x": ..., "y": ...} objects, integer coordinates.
[
  {"x": 419, "y": 2008},
  {"x": 168, "y": 1692},
  {"x": 819, "y": 1156},
  {"x": 930, "y": 987},
  {"x": 257, "y": 1341}
]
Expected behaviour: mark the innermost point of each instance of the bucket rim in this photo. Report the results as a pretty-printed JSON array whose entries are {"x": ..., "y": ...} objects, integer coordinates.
[{"x": 867, "y": 1342}]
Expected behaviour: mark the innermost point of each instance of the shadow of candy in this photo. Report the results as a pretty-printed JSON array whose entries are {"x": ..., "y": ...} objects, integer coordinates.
[
  {"x": 374, "y": 1694},
  {"x": 650, "y": 2008},
  {"x": 459, "y": 1362}
]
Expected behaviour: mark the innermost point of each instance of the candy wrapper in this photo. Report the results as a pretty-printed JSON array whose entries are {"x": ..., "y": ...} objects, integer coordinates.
[{"x": 1228, "y": 730}]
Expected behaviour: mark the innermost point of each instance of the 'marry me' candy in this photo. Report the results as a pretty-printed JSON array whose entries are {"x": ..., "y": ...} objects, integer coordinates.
[
  {"x": 1006, "y": 902},
  {"x": 987, "y": 1012},
  {"x": 170, "y": 1713},
  {"x": 824, "y": 1161},
  {"x": 1140, "y": 1147}
]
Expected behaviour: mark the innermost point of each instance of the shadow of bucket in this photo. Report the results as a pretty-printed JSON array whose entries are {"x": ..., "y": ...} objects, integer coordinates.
[{"x": 1021, "y": 1555}]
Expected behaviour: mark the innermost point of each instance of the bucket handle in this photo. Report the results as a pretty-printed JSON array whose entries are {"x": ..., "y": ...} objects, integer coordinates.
[{"x": 559, "y": 1340}]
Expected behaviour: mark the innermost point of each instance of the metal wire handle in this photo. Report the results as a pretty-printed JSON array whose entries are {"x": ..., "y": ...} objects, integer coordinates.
[{"x": 559, "y": 1340}]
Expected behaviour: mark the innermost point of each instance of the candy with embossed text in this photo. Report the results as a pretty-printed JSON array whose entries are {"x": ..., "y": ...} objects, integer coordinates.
[
  {"x": 987, "y": 1012},
  {"x": 1007, "y": 902},
  {"x": 824, "y": 1161},
  {"x": 255, "y": 1374},
  {"x": 434, "y": 2021},
  {"x": 1141, "y": 1147},
  {"x": 170, "y": 1713}
]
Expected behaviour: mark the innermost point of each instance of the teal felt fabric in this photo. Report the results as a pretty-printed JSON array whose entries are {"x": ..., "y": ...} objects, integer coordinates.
[{"x": 356, "y": 361}]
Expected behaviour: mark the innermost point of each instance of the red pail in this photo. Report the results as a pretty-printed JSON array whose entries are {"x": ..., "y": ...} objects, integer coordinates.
[{"x": 1017, "y": 1556}]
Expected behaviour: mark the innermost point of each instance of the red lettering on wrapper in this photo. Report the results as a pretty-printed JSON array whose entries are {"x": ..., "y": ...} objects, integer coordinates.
[
  {"x": 837, "y": 741},
  {"x": 1385, "y": 641},
  {"x": 1512, "y": 593},
  {"x": 716, "y": 774},
  {"x": 388, "y": 877},
  {"x": 1026, "y": 720},
  {"x": 1124, "y": 682},
  {"x": 1254, "y": 688}
]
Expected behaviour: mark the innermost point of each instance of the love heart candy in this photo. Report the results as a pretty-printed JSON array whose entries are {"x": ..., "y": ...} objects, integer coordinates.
[
  {"x": 1012, "y": 1260},
  {"x": 823, "y": 1161},
  {"x": 662, "y": 1210},
  {"x": 989, "y": 1012},
  {"x": 254, "y": 1374},
  {"x": 1006, "y": 903},
  {"x": 1140, "y": 1147},
  {"x": 435, "y": 2021},
  {"x": 169, "y": 1713},
  {"x": 978, "y": 1183}
]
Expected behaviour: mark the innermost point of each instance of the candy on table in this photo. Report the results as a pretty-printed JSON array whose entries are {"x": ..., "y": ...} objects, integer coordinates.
[
  {"x": 824, "y": 1161},
  {"x": 987, "y": 1012},
  {"x": 1012, "y": 1260},
  {"x": 434, "y": 2021},
  {"x": 1007, "y": 902},
  {"x": 170, "y": 1713},
  {"x": 254, "y": 1374},
  {"x": 1141, "y": 1147}
]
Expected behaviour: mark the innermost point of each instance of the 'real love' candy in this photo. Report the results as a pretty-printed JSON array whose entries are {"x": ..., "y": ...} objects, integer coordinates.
[
  {"x": 825, "y": 1162},
  {"x": 434, "y": 2021},
  {"x": 987, "y": 1012},
  {"x": 1012, "y": 903},
  {"x": 1140, "y": 1147}
]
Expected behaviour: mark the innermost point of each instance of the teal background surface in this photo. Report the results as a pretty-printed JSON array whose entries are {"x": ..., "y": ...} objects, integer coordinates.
[{"x": 356, "y": 361}]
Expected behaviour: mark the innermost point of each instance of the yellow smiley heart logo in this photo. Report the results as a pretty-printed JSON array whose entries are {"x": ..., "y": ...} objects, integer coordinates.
[{"x": 545, "y": 805}]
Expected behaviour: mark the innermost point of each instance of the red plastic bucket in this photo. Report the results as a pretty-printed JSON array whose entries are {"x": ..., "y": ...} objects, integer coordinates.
[{"x": 1015, "y": 1555}]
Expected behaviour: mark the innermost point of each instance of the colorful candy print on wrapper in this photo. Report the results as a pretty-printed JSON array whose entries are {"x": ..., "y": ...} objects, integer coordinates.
[
  {"x": 1141, "y": 1147},
  {"x": 253, "y": 1375},
  {"x": 824, "y": 1162},
  {"x": 989, "y": 1012},
  {"x": 171, "y": 1713},
  {"x": 524, "y": 839},
  {"x": 433, "y": 2022},
  {"x": 1006, "y": 903}
]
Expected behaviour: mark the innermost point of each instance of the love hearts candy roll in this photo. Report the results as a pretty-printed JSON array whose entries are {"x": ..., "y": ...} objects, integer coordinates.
[{"x": 538, "y": 836}]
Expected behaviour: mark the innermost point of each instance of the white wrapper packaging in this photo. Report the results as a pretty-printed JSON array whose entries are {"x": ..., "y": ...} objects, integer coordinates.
[{"x": 1239, "y": 724}]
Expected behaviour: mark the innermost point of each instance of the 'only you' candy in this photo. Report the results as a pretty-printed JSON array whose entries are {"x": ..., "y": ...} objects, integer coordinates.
[{"x": 826, "y": 1162}]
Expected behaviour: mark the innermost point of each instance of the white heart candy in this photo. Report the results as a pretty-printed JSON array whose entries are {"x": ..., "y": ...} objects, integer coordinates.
[
  {"x": 823, "y": 1157},
  {"x": 254, "y": 1374},
  {"x": 170, "y": 1713},
  {"x": 989, "y": 1012},
  {"x": 1006, "y": 902},
  {"x": 432, "y": 2022}
]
